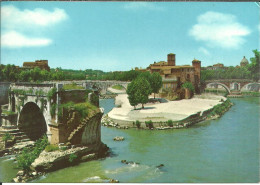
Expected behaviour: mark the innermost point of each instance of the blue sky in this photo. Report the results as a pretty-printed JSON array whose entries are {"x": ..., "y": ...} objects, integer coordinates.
[{"x": 115, "y": 36}]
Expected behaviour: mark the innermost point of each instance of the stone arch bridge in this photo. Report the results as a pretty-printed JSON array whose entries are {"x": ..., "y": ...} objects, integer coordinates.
[
  {"x": 34, "y": 110},
  {"x": 100, "y": 85},
  {"x": 234, "y": 85}
]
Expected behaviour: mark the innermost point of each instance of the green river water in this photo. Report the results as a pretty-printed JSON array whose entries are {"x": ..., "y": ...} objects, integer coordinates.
[{"x": 223, "y": 150}]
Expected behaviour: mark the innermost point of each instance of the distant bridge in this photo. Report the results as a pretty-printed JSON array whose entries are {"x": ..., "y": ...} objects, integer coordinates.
[
  {"x": 100, "y": 85},
  {"x": 237, "y": 85}
]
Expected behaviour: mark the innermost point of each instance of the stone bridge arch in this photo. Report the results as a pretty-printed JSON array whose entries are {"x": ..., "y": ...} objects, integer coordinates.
[
  {"x": 31, "y": 121},
  {"x": 252, "y": 86},
  {"x": 221, "y": 84},
  {"x": 102, "y": 86}
]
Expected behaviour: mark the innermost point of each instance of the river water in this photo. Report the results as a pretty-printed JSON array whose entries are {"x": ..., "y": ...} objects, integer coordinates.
[{"x": 223, "y": 150}]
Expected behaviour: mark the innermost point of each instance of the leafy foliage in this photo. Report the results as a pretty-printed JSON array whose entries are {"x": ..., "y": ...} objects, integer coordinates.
[
  {"x": 28, "y": 155},
  {"x": 149, "y": 124},
  {"x": 254, "y": 65},
  {"x": 131, "y": 90},
  {"x": 170, "y": 123},
  {"x": 250, "y": 71},
  {"x": 156, "y": 82},
  {"x": 220, "y": 108},
  {"x": 138, "y": 91},
  {"x": 188, "y": 85},
  {"x": 138, "y": 123},
  {"x": 72, "y": 157},
  {"x": 82, "y": 108},
  {"x": 51, "y": 148}
]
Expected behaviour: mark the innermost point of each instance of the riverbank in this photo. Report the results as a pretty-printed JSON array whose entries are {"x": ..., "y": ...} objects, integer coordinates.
[
  {"x": 49, "y": 161},
  {"x": 171, "y": 114}
]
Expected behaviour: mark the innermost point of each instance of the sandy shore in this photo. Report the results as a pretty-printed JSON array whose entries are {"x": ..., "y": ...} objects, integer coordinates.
[{"x": 174, "y": 110}]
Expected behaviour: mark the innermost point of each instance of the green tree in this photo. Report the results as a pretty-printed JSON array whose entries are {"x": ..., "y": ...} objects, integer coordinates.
[
  {"x": 146, "y": 75},
  {"x": 143, "y": 90},
  {"x": 156, "y": 82},
  {"x": 254, "y": 66},
  {"x": 131, "y": 92}
]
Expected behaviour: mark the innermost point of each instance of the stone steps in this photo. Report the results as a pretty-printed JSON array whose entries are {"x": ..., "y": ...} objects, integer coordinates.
[
  {"x": 75, "y": 131},
  {"x": 19, "y": 135}
]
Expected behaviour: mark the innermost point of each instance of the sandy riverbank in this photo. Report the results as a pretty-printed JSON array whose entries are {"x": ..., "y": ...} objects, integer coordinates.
[{"x": 172, "y": 110}]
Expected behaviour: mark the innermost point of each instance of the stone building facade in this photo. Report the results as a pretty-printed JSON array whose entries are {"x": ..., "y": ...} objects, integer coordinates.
[
  {"x": 173, "y": 76},
  {"x": 42, "y": 64}
]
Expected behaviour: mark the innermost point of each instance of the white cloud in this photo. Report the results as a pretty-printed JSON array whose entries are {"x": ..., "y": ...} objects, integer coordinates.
[
  {"x": 219, "y": 30},
  {"x": 142, "y": 5},
  {"x": 12, "y": 17},
  {"x": 204, "y": 51},
  {"x": 17, "y": 25},
  {"x": 16, "y": 40}
]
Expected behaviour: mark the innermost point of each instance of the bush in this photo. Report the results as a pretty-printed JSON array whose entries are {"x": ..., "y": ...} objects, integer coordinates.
[
  {"x": 53, "y": 110},
  {"x": 149, "y": 124},
  {"x": 27, "y": 157},
  {"x": 51, "y": 148},
  {"x": 188, "y": 85},
  {"x": 72, "y": 157},
  {"x": 83, "y": 109},
  {"x": 138, "y": 123},
  {"x": 170, "y": 123},
  {"x": 51, "y": 93}
]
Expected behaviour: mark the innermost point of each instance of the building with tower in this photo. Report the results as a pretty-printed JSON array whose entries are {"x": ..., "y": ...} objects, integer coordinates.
[
  {"x": 244, "y": 62},
  {"x": 174, "y": 76}
]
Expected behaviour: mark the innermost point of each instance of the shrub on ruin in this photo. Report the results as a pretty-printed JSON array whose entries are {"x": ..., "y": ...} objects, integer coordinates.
[
  {"x": 188, "y": 85},
  {"x": 72, "y": 157},
  {"x": 170, "y": 123},
  {"x": 28, "y": 155},
  {"x": 51, "y": 148}
]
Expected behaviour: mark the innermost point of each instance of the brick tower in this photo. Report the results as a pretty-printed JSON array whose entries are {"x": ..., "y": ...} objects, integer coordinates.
[{"x": 171, "y": 59}]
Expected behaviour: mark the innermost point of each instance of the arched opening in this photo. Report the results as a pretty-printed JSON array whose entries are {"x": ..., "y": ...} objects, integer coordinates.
[
  {"x": 254, "y": 87},
  {"x": 216, "y": 86},
  {"x": 235, "y": 86},
  {"x": 32, "y": 122},
  {"x": 13, "y": 104}
]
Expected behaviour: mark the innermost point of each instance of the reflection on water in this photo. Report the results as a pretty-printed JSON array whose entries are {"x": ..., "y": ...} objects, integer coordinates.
[{"x": 223, "y": 150}]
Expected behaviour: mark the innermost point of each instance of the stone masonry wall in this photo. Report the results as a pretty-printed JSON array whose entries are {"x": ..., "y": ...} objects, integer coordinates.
[{"x": 4, "y": 86}]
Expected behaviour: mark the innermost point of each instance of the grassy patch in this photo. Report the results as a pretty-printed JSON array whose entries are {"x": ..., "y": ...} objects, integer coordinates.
[
  {"x": 51, "y": 148},
  {"x": 255, "y": 94},
  {"x": 72, "y": 86},
  {"x": 84, "y": 109},
  {"x": 8, "y": 113},
  {"x": 118, "y": 87}
]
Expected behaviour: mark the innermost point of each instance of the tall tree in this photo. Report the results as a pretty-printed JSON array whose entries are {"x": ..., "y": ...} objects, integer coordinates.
[
  {"x": 143, "y": 90},
  {"x": 131, "y": 92},
  {"x": 254, "y": 65},
  {"x": 156, "y": 82}
]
